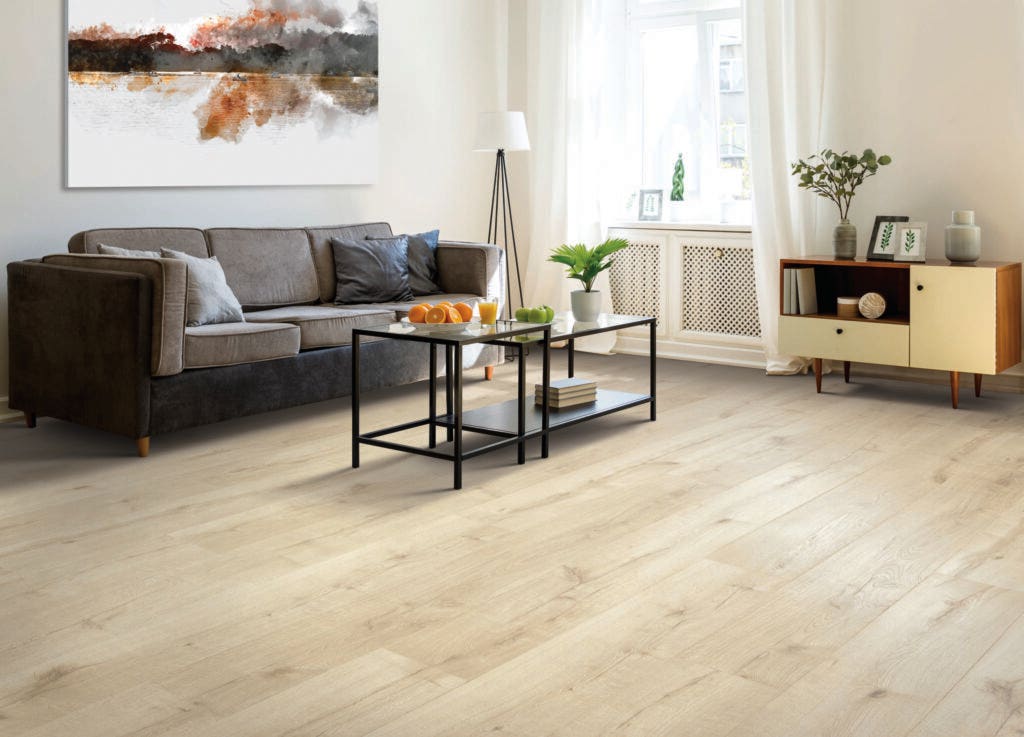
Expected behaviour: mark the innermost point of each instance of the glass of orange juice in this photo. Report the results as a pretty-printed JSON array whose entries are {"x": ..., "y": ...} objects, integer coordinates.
[{"x": 488, "y": 311}]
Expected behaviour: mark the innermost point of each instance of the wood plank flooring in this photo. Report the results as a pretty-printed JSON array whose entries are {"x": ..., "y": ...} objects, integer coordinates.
[{"x": 761, "y": 562}]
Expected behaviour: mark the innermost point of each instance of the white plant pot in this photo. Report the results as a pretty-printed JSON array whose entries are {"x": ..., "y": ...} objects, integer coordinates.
[{"x": 586, "y": 306}]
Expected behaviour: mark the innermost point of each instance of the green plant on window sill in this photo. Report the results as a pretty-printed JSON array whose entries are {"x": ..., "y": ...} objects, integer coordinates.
[
  {"x": 585, "y": 263},
  {"x": 678, "y": 178},
  {"x": 836, "y": 176}
]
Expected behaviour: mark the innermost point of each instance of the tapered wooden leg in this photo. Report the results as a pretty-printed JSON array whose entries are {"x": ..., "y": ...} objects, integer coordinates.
[
  {"x": 954, "y": 387},
  {"x": 488, "y": 373},
  {"x": 817, "y": 374},
  {"x": 30, "y": 420},
  {"x": 143, "y": 447},
  {"x": 977, "y": 385},
  {"x": 846, "y": 371}
]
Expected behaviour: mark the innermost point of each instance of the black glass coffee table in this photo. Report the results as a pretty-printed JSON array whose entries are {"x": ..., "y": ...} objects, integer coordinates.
[{"x": 515, "y": 421}]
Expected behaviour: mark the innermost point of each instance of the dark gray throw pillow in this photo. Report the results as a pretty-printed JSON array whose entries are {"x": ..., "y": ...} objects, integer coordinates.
[
  {"x": 422, "y": 262},
  {"x": 371, "y": 271}
]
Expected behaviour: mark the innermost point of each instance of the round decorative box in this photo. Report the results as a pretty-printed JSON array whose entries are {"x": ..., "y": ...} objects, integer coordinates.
[
  {"x": 872, "y": 305},
  {"x": 847, "y": 306}
]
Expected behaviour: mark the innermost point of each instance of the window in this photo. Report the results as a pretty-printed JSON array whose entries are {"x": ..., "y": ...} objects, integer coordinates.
[{"x": 689, "y": 98}]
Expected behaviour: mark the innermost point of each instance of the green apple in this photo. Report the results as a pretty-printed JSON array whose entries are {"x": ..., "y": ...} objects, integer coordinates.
[
  {"x": 551, "y": 313},
  {"x": 523, "y": 314},
  {"x": 538, "y": 314}
]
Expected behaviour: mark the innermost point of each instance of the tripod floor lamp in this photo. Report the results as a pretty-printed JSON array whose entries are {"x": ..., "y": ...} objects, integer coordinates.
[{"x": 501, "y": 132}]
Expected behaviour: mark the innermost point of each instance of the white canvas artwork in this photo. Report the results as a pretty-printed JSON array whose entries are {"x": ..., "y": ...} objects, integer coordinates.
[{"x": 164, "y": 93}]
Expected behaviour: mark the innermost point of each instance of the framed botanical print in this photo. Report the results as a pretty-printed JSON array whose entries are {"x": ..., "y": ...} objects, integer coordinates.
[
  {"x": 910, "y": 241},
  {"x": 883, "y": 237}
]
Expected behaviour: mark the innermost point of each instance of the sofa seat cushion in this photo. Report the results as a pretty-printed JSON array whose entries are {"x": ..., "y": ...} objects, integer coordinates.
[
  {"x": 323, "y": 326},
  {"x": 230, "y": 343},
  {"x": 401, "y": 309}
]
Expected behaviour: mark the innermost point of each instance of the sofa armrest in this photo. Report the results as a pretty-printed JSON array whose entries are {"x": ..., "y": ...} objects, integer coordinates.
[
  {"x": 472, "y": 268},
  {"x": 79, "y": 343},
  {"x": 169, "y": 278}
]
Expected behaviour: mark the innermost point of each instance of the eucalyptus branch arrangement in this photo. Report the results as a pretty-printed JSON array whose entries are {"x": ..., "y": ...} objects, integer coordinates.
[{"x": 836, "y": 176}]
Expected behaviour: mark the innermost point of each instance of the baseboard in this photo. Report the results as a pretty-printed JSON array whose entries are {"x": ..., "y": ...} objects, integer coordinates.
[
  {"x": 726, "y": 354},
  {"x": 6, "y": 413}
]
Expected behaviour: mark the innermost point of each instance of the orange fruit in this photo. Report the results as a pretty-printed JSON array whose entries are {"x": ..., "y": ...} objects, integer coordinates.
[
  {"x": 444, "y": 304},
  {"x": 436, "y": 315},
  {"x": 419, "y": 313},
  {"x": 465, "y": 310},
  {"x": 454, "y": 315}
]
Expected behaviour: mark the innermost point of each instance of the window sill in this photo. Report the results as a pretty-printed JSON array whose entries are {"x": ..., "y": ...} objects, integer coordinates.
[{"x": 666, "y": 225}]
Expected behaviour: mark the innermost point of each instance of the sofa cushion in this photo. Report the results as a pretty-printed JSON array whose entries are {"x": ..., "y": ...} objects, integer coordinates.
[
  {"x": 372, "y": 270},
  {"x": 401, "y": 309},
  {"x": 105, "y": 250},
  {"x": 210, "y": 299},
  {"x": 187, "y": 240},
  {"x": 323, "y": 326},
  {"x": 323, "y": 256},
  {"x": 422, "y": 262},
  {"x": 230, "y": 343},
  {"x": 169, "y": 279},
  {"x": 266, "y": 267}
]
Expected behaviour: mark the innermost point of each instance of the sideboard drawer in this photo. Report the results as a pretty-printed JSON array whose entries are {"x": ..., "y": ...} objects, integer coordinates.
[{"x": 845, "y": 340}]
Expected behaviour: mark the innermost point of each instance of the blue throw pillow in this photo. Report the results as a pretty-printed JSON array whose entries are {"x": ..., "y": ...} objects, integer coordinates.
[{"x": 422, "y": 262}]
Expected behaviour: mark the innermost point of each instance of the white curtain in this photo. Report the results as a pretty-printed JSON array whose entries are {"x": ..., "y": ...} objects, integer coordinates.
[
  {"x": 576, "y": 92},
  {"x": 786, "y": 42}
]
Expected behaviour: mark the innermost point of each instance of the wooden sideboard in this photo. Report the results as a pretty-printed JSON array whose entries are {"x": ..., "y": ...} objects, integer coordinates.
[{"x": 960, "y": 319}]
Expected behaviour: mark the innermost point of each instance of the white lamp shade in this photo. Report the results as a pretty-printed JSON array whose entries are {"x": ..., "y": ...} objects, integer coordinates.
[{"x": 506, "y": 131}]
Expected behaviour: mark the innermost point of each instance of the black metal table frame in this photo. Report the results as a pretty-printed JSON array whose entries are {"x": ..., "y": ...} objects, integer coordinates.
[{"x": 452, "y": 421}]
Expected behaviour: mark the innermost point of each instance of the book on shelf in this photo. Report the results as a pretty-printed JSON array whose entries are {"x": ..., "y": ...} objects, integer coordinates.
[
  {"x": 806, "y": 291},
  {"x": 799, "y": 292},
  {"x": 564, "y": 402}
]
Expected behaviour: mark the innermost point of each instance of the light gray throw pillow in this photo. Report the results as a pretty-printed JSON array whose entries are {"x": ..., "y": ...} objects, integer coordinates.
[
  {"x": 115, "y": 251},
  {"x": 370, "y": 272},
  {"x": 210, "y": 299}
]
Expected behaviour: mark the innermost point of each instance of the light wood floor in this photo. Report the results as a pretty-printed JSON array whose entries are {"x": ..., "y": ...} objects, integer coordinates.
[{"x": 761, "y": 562}]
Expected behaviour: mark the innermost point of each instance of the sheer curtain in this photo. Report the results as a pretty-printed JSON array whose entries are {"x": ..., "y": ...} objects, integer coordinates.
[
  {"x": 576, "y": 92},
  {"x": 787, "y": 41}
]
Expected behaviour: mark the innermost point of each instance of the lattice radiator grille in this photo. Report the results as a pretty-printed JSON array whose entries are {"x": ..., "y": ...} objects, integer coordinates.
[
  {"x": 636, "y": 279},
  {"x": 719, "y": 293}
]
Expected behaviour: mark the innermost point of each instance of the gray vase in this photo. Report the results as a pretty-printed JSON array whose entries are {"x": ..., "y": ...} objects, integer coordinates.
[
  {"x": 963, "y": 238},
  {"x": 844, "y": 240}
]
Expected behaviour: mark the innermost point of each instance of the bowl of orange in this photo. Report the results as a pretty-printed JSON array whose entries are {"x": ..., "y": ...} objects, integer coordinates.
[{"x": 444, "y": 317}]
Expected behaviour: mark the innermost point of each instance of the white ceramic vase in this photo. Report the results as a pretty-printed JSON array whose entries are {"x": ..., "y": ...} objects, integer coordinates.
[{"x": 586, "y": 306}]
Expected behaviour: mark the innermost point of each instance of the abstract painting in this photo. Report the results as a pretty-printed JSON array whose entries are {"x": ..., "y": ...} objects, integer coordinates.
[{"x": 221, "y": 92}]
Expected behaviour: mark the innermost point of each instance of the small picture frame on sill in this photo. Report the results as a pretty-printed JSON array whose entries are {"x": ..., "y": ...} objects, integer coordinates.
[
  {"x": 910, "y": 241},
  {"x": 882, "y": 246},
  {"x": 650, "y": 204}
]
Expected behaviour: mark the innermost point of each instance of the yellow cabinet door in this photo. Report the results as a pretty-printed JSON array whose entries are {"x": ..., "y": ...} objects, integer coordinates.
[
  {"x": 845, "y": 340},
  {"x": 953, "y": 318}
]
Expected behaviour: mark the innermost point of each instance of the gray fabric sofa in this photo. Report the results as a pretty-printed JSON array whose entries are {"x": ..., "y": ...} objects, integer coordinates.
[{"x": 102, "y": 340}]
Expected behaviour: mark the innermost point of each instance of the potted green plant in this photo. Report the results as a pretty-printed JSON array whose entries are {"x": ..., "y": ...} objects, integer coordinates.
[
  {"x": 678, "y": 193},
  {"x": 836, "y": 176},
  {"x": 585, "y": 264}
]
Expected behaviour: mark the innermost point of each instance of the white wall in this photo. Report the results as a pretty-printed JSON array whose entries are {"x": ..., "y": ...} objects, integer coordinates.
[
  {"x": 439, "y": 66},
  {"x": 940, "y": 87}
]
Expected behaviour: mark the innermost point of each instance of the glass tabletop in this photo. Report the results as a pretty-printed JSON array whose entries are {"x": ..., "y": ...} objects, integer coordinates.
[{"x": 563, "y": 327}]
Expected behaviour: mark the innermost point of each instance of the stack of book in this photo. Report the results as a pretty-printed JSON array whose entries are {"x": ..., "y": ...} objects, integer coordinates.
[
  {"x": 568, "y": 393},
  {"x": 799, "y": 293}
]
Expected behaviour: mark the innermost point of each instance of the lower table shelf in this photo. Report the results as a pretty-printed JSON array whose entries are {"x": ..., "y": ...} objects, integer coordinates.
[{"x": 503, "y": 418}]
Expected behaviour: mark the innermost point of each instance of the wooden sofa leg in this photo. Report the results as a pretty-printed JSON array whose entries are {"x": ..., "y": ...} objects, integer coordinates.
[
  {"x": 489, "y": 373},
  {"x": 142, "y": 444},
  {"x": 954, "y": 387},
  {"x": 977, "y": 385},
  {"x": 30, "y": 420}
]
